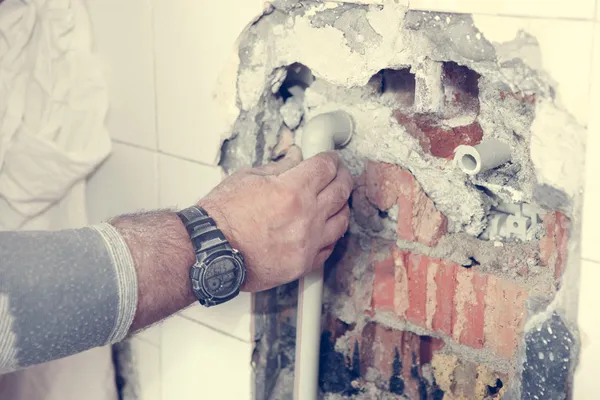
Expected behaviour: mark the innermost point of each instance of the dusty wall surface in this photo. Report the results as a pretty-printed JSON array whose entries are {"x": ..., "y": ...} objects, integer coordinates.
[{"x": 448, "y": 285}]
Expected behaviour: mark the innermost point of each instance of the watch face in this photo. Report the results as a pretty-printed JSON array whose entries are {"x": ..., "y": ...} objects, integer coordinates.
[{"x": 222, "y": 277}]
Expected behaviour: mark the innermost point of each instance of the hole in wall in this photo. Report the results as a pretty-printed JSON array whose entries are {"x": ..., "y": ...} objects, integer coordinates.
[
  {"x": 335, "y": 375},
  {"x": 460, "y": 81},
  {"x": 396, "y": 84},
  {"x": 461, "y": 90},
  {"x": 298, "y": 76},
  {"x": 492, "y": 390},
  {"x": 398, "y": 81}
]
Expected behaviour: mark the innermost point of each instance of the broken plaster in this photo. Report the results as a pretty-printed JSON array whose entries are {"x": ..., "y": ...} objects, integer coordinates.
[
  {"x": 345, "y": 46},
  {"x": 343, "y": 71}
]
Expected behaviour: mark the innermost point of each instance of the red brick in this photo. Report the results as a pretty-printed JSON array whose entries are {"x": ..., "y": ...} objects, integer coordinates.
[
  {"x": 425, "y": 290},
  {"x": 377, "y": 347},
  {"x": 428, "y": 224},
  {"x": 504, "y": 315},
  {"x": 384, "y": 284},
  {"x": 470, "y": 308},
  {"x": 438, "y": 140},
  {"x": 445, "y": 283},
  {"x": 404, "y": 228},
  {"x": 418, "y": 219},
  {"x": 416, "y": 272},
  {"x": 385, "y": 182},
  {"x": 401, "y": 298},
  {"x": 554, "y": 245},
  {"x": 474, "y": 308}
]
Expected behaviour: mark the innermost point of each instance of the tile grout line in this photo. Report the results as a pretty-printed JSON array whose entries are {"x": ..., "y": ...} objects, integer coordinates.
[
  {"x": 212, "y": 328},
  {"x": 165, "y": 153},
  {"x": 186, "y": 159}
]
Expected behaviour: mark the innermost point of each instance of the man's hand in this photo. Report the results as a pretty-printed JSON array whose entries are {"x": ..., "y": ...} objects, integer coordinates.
[{"x": 285, "y": 217}]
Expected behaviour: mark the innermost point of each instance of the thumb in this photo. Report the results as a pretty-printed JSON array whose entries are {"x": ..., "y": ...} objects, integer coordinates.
[{"x": 292, "y": 158}]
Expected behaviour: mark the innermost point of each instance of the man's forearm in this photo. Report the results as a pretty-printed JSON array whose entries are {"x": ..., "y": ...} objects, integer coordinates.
[
  {"x": 68, "y": 291},
  {"x": 62, "y": 293},
  {"x": 162, "y": 253}
]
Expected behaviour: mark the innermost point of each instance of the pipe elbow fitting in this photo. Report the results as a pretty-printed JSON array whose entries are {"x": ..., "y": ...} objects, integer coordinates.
[
  {"x": 325, "y": 132},
  {"x": 487, "y": 155}
]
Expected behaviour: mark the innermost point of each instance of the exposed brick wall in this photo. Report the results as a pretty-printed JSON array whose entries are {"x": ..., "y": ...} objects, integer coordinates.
[
  {"x": 471, "y": 307},
  {"x": 418, "y": 310}
]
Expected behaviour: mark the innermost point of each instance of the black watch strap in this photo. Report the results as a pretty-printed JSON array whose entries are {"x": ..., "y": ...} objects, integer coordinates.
[
  {"x": 203, "y": 231},
  {"x": 219, "y": 270}
]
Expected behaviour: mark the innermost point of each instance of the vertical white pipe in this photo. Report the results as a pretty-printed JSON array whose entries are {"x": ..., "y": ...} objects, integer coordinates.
[{"x": 325, "y": 132}]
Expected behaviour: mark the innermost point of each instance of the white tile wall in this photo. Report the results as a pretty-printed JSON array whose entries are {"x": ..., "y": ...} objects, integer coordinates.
[
  {"x": 194, "y": 40},
  {"x": 591, "y": 211},
  {"x": 141, "y": 175},
  {"x": 151, "y": 334},
  {"x": 146, "y": 359},
  {"x": 577, "y": 9},
  {"x": 199, "y": 363},
  {"x": 183, "y": 183},
  {"x": 233, "y": 317},
  {"x": 123, "y": 41},
  {"x": 559, "y": 40},
  {"x": 589, "y": 296},
  {"x": 586, "y": 375},
  {"x": 126, "y": 182}
]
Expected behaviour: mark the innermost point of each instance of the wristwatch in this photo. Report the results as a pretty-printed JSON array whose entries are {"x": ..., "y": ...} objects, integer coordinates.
[{"x": 219, "y": 270}]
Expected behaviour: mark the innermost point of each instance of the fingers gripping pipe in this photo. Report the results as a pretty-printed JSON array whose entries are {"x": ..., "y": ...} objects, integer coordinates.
[{"x": 322, "y": 133}]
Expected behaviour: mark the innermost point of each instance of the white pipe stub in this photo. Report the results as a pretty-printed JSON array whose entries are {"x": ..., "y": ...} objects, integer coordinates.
[
  {"x": 487, "y": 155},
  {"x": 324, "y": 132}
]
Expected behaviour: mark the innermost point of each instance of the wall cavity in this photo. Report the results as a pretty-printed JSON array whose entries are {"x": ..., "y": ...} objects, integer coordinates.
[{"x": 447, "y": 280}]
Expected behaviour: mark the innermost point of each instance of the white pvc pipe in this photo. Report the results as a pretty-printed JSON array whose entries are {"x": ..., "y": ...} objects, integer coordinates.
[
  {"x": 487, "y": 155},
  {"x": 322, "y": 133}
]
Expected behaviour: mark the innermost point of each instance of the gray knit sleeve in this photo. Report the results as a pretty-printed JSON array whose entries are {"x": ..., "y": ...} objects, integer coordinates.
[{"x": 63, "y": 292}]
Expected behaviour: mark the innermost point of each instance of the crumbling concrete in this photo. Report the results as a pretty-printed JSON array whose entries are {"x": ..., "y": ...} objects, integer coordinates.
[{"x": 417, "y": 85}]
